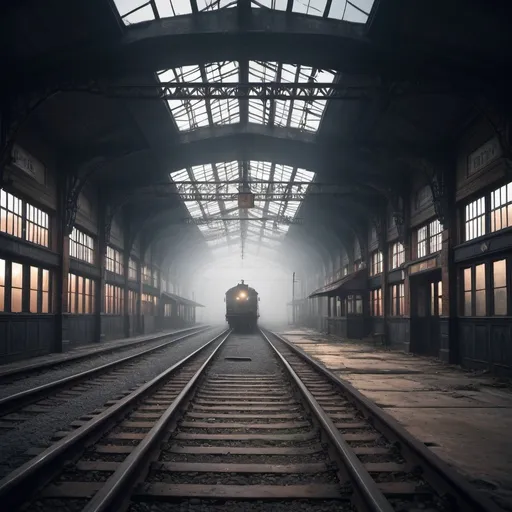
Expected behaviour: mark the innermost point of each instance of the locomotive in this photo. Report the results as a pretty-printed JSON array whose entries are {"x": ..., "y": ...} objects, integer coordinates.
[{"x": 242, "y": 307}]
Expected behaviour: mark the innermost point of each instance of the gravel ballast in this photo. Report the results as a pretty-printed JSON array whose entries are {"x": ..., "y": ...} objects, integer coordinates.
[
  {"x": 72, "y": 368},
  {"x": 38, "y": 431}
]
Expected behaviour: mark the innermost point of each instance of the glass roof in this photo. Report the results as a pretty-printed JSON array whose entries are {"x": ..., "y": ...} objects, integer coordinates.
[
  {"x": 191, "y": 114},
  {"x": 225, "y": 236},
  {"x": 136, "y": 11}
]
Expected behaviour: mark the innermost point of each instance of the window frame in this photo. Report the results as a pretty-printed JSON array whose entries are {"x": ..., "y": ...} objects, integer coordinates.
[
  {"x": 376, "y": 304},
  {"x": 428, "y": 241},
  {"x": 489, "y": 289},
  {"x": 377, "y": 265},
  {"x": 82, "y": 247},
  {"x": 83, "y": 294},
  {"x": 397, "y": 298},
  {"x": 23, "y": 223},
  {"x": 397, "y": 256},
  {"x": 114, "y": 260},
  {"x": 26, "y": 290}
]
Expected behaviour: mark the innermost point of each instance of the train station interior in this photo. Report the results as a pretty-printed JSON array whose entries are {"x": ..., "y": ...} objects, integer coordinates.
[{"x": 349, "y": 159}]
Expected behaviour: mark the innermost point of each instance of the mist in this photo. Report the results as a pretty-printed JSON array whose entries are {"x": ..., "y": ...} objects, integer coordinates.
[{"x": 272, "y": 282}]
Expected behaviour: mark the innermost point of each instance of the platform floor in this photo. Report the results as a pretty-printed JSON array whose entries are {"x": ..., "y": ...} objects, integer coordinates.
[
  {"x": 86, "y": 349},
  {"x": 464, "y": 417}
]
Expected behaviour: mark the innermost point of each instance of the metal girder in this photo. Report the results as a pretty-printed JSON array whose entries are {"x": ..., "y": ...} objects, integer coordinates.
[
  {"x": 214, "y": 36},
  {"x": 276, "y": 219},
  {"x": 210, "y": 90},
  {"x": 262, "y": 190}
]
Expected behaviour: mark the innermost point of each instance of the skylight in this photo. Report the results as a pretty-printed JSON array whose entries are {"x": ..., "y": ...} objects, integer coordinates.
[
  {"x": 136, "y": 11},
  {"x": 192, "y": 114},
  {"x": 218, "y": 220}
]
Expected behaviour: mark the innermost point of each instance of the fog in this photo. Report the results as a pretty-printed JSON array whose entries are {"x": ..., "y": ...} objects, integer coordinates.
[{"x": 272, "y": 282}]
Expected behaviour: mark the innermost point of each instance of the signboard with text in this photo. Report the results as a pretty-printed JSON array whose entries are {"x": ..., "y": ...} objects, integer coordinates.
[
  {"x": 24, "y": 161},
  {"x": 483, "y": 156}
]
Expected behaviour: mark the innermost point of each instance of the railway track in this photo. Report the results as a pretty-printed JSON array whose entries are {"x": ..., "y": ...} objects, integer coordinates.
[
  {"x": 22, "y": 406},
  {"x": 268, "y": 427},
  {"x": 14, "y": 374}
]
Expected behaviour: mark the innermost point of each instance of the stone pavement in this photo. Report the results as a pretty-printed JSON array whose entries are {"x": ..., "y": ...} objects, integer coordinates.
[{"x": 464, "y": 417}]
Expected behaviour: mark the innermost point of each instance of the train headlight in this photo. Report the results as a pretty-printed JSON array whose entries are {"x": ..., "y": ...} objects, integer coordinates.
[
  {"x": 242, "y": 295},
  {"x": 238, "y": 298}
]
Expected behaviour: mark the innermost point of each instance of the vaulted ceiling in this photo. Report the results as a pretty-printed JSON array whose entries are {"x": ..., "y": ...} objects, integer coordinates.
[{"x": 418, "y": 65}]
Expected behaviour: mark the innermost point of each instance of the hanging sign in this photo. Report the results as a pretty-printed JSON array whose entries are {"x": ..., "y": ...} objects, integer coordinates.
[
  {"x": 245, "y": 200},
  {"x": 484, "y": 155},
  {"x": 28, "y": 164}
]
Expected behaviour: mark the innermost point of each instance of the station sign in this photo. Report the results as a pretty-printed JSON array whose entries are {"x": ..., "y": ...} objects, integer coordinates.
[
  {"x": 25, "y": 162},
  {"x": 484, "y": 155}
]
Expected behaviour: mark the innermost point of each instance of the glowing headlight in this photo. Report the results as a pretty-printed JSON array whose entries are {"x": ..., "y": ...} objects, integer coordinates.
[{"x": 242, "y": 295}]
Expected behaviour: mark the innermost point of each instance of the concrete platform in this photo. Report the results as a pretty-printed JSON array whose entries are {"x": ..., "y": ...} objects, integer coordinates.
[
  {"x": 84, "y": 351},
  {"x": 464, "y": 417}
]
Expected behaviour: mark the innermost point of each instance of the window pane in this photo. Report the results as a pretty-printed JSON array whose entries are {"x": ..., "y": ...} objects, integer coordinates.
[
  {"x": 2, "y": 272},
  {"x": 16, "y": 300},
  {"x": 480, "y": 277},
  {"x": 499, "y": 273},
  {"x": 2, "y": 285},
  {"x": 46, "y": 280},
  {"x": 34, "y": 275},
  {"x": 467, "y": 304},
  {"x": 45, "y": 306},
  {"x": 480, "y": 308},
  {"x": 17, "y": 275},
  {"x": 33, "y": 301},
  {"x": 467, "y": 279},
  {"x": 500, "y": 301}
]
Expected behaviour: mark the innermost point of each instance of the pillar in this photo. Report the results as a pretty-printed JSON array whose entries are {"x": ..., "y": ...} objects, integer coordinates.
[
  {"x": 449, "y": 349},
  {"x": 101, "y": 250},
  {"x": 60, "y": 297}
]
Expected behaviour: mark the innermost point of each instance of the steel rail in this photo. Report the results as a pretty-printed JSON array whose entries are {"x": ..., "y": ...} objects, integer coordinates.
[
  {"x": 34, "y": 367},
  {"x": 366, "y": 492},
  {"x": 14, "y": 402},
  {"x": 41, "y": 469},
  {"x": 119, "y": 486},
  {"x": 441, "y": 476}
]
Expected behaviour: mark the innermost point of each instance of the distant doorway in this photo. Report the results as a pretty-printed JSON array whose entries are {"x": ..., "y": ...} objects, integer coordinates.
[{"x": 426, "y": 308}]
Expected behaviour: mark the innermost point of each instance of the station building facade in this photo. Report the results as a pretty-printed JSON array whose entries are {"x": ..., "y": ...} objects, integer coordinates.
[
  {"x": 61, "y": 288},
  {"x": 434, "y": 286}
]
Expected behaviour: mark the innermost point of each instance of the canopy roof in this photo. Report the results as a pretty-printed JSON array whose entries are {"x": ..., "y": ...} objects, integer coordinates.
[
  {"x": 181, "y": 300},
  {"x": 226, "y": 236},
  {"x": 352, "y": 283},
  {"x": 136, "y": 11}
]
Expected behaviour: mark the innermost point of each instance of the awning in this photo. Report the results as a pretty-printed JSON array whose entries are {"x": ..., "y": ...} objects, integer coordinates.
[
  {"x": 353, "y": 283},
  {"x": 182, "y": 300}
]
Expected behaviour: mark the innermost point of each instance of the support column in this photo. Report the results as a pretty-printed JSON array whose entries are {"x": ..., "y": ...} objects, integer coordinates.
[
  {"x": 449, "y": 350},
  {"x": 61, "y": 341},
  {"x": 99, "y": 298},
  {"x": 140, "y": 329},
  {"x": 386, "y": 302},
  {"x": 126, "y": 305}
]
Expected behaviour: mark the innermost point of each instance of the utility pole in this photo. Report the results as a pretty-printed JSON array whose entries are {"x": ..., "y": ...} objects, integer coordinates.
[{"x": 293, "y": 299}]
